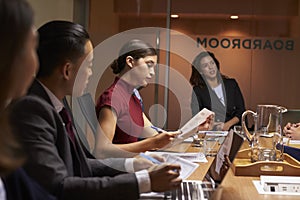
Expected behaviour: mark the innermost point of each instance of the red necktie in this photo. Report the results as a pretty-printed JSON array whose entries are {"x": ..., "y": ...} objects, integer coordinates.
[{"x": 68, "y": 123}]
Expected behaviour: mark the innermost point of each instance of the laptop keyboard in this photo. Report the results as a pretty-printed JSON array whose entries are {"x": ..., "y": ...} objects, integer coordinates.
[{"x": 191, "y": 190}]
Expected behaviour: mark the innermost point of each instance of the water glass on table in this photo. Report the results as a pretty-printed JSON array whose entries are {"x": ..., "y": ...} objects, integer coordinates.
[
  {"x": 210, "y": 146},
  {"x": 198, "y": 139},
  {"x": 238, "y": 129}
]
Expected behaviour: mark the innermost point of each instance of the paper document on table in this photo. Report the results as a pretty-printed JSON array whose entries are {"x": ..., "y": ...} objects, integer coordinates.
[
  {"x": 190, "y": 156},
  {"x": 214, "y": 133},
  {"x": 294, "y": 142},
  {"x": 187, "y": 167}
]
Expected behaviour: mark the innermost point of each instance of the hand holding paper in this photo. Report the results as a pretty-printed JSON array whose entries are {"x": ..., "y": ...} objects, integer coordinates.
[
  {"x": 203, "y": 120},
  {"x": 208, "y": 124}
]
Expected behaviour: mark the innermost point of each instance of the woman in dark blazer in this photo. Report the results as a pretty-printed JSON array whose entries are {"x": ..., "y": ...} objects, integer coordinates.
[{"x": 216, "y": 92}]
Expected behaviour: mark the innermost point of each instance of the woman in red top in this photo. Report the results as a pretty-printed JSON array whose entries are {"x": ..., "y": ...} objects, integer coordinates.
[{"x": 120, "y": 113}]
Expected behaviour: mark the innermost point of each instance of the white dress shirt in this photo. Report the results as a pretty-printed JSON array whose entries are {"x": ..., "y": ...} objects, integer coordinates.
[{"x": 2, "y": 191}]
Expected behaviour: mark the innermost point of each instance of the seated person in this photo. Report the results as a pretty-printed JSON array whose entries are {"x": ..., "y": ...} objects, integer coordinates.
[
  {"x": 120, "y": 113},
  {"x": 56, "y": 158},
  {"x": 292, "y": 131}
]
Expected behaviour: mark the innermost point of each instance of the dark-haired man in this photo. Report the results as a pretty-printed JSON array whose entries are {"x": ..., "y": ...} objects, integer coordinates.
[{"x": 56, "y": 158}]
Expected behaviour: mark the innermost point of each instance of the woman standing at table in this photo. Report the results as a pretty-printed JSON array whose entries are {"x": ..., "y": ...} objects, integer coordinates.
[
  {"x": 119, "y": 109},
  {"x": 216, "y": 92}
]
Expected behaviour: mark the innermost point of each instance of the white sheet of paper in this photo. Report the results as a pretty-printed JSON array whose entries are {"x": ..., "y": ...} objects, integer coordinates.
[
  {"x": 191, "y": 126},
  {"x": 190, "y": 156},
  {"x": 193, "y": 123},
  {"x": 187, "y": 167},
  {"x": 214, "y": 133},
  {"x": 294, "y": 142}
]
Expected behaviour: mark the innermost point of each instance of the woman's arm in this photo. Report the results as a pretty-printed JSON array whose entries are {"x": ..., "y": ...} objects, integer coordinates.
[
  {"x": 148, "y": 131},
  {"x": 239, "y": 107},
  {"x": 238, "y": 101},
  {"x": 230, "y": 123},
  {"x": 104, "y": 147}
]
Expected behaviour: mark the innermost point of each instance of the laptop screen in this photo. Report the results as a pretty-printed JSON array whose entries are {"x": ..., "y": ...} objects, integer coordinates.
[{"x": 220, "y": 166}]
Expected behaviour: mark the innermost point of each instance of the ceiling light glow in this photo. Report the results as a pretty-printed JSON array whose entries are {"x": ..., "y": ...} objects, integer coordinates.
[{"x": 234, "y": 17}]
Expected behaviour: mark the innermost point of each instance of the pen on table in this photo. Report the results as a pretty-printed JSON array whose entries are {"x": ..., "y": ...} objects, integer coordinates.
[
  {"x": 159, "y": 130},
  {"x": 150, "y": 158}
]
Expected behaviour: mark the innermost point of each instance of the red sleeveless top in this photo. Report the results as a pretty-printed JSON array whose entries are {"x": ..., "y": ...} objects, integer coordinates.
[{"x": 130, "y": 123}]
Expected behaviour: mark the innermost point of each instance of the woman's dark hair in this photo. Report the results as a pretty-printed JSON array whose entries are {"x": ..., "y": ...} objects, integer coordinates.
[
  {"x": 196, "y": 78},
  {"x": 16, "y": 19},
  {"x": 135, "y": 48},
  {"x": 60, "y": 41}
]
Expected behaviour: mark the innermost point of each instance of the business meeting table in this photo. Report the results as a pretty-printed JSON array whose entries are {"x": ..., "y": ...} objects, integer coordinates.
[{"x": 232, "y": 187}]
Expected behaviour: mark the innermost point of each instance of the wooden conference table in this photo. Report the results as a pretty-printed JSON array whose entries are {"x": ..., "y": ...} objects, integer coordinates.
[{"x": 232, "y": 187}]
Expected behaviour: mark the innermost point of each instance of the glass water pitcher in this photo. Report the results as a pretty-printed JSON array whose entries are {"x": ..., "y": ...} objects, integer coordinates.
[{"x": 266, "y": 139}]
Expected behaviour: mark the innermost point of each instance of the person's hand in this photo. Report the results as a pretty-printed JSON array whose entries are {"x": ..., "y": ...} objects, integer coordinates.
[
  {"x": 287, "y": 127},
  {"x": 226, "y": 127},
  {"x": 225, "y": 166},
  {"x": 163, "y": 139},
  {"x": 218, "y": 126},
  {"x": 164, "y": 177},
  {"x": 207, "y": 125},
  {"x": 292, "y": 131},
  {"x": 140, "y": 163}
]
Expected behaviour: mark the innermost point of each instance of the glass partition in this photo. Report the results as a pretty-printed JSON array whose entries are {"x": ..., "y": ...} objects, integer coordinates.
[{"x": 260, "y": 49}]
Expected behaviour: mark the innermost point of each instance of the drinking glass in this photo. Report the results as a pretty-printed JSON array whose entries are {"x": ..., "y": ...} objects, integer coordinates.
[
  {"x": 238, "y": 129},
  {"x": 210, "y": 146},
  {"x": 198, "y": 139}
]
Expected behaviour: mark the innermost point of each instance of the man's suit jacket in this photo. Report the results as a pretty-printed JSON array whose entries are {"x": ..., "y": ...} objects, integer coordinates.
[
  {"x": 55, "y": 163},
  {"x": 205, "y": 97}
]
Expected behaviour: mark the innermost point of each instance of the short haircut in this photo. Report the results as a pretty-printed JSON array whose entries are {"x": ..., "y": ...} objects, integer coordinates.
[{"x": 59, "y": 42}]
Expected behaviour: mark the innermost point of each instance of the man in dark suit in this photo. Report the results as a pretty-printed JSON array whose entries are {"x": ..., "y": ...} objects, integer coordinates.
[{"x": 56, "y": 158}]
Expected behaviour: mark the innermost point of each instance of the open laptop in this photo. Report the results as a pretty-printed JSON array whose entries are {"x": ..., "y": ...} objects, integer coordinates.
[{"x": 204, "y": 189}]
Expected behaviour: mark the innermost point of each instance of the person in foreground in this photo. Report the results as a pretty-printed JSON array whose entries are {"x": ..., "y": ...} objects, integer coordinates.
[
  {"x": 119, "y": 108},
  {"x": 18, "y": 64},
  {"x": 292, "y": 131},
  {"x": 56, "y": 158},
  {"x": 216, "y": 92}
]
